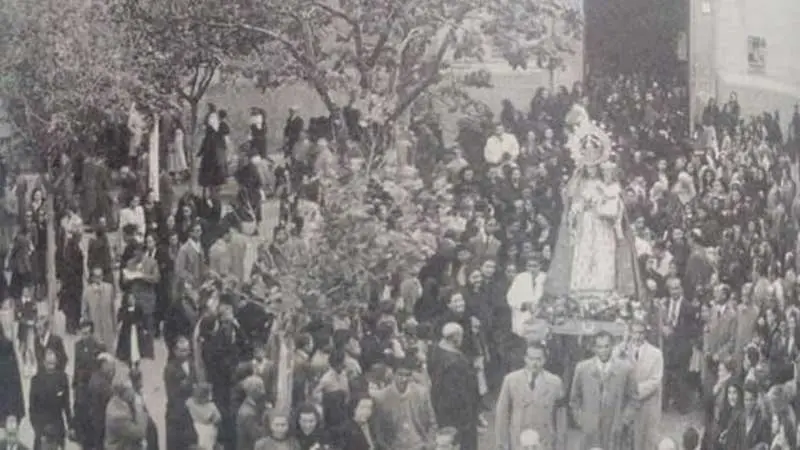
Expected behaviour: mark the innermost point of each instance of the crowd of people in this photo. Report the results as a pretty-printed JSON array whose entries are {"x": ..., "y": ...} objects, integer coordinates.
[{"x": 435, "y": 353}]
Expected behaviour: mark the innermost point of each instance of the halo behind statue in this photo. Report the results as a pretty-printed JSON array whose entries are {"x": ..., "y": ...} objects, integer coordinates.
[{"x": 595, "y": 148}]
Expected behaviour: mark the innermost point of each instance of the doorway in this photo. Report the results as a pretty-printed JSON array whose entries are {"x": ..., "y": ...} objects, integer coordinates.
[{"x": 637, "y": 37}]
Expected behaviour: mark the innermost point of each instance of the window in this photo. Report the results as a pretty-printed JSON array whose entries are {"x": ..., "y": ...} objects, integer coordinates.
[{"x": 756, "y": 53}]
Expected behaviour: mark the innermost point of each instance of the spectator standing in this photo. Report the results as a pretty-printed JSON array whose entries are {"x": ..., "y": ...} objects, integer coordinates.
[
  {"x": 454, "y": 387},
  {"x": 126, "y": 419},
  {"x": 50, "y": 406},
  {"x": 528, "y": 400},
  {"x": 602, "y": 397},
  {"x": 648, "y": 375}
]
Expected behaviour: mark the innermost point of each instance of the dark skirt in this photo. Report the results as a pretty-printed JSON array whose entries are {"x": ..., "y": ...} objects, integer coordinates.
[{"x": 145, "y": 342}]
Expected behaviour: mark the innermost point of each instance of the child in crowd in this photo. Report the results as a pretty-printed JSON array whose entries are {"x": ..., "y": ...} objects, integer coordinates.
[
  {"x": 278, "y": 437},
  {"x": 205, "y": 416}
]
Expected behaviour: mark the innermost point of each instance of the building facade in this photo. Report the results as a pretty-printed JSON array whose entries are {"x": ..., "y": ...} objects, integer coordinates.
[{"x": 749, "y": 47}]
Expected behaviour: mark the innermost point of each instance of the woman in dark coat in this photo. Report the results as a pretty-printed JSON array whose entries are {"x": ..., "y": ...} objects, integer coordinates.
[
  {"x": 71, "y": 277},
  {"x": 213, "y": 170},
  {"x": 131, "y": 320},
  {"x": 99, "y": 252},
  {"x": 310, "y": 431},
  {"x": 12, "y": 402}
]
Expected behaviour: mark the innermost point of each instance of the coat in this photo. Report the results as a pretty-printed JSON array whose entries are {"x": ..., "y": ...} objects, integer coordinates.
[
  {"x": 648, "y": 376},
  {"x": 49, "y": 402},
  {"x": 142, "y": 280},
  {"x": 720, "y": 335},
  {"x": 189, "y": 264},
  {"x": 454, "y": 393},
  {"x": 126, "y": 425},
  {"x": 130, "y": 316},
  {"x": 402, "y": 419},
  {"x": 519, "y": 408},
  {"x": 249, "y": 425},
  {"x": 12, "y": 401},
  {"x": 350, "y": 436},
  {"x": 98, "y": 306},
  {"x": 99, "y": 396},
  {"x": 86, "y": 351},
  {"x": 98, "y": 254},
  {"x": 220, "y": 258},
  {"x": 178, "y": 385},
  {"x": 602, "y": 403}
]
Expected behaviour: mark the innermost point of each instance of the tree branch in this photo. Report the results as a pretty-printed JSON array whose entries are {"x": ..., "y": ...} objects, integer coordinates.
[
  {"x": 383, "y": 38},
  {"x": 433, "y": 72},
  {"x": 336, "y": 12},
  {"x": 358, "y": 39},
  {"x": 205, "y": 80},
  {"x": 290, "y": 47}
]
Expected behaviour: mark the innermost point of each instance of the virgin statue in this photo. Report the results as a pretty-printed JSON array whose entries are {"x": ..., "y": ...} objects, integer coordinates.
[{"x": 594, "y": 253}]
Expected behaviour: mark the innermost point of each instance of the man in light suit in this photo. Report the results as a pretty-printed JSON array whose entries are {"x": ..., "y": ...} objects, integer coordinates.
[
  {"x": 719, "y": 338},
  {"x": 602, "y": 396},
  {"x": 529, "y": 399},
  {"x": 648, "y": 375},
  {"x": 485, "y": 243},
  {"x": 190, "y": 260}
]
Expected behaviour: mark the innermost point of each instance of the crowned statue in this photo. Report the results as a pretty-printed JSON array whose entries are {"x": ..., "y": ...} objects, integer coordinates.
[{"x": 594, "y": 254}]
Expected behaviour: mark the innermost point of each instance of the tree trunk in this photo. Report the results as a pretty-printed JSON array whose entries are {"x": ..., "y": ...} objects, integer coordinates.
[
  {"x": 284, "y": 381},
  {"x": 50, "y": 257},
  {"x": 194, "y": 110}
]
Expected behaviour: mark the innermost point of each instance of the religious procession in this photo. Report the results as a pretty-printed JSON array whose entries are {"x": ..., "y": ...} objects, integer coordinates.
[{"x": 195, "y": 260}]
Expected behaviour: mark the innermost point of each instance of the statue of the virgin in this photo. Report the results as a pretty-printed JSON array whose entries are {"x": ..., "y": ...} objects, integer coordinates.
[{"x": 594, "y": 253}]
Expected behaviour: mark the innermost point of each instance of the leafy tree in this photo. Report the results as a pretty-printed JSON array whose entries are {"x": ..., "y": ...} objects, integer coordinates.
[
  {"x": 66, "y": 68},
  {"x": 66, "y": 71},
  {"x": 380, "y": 56},
  {"x": 182, "y": 58},
  {"x": 372, "y": 224}
]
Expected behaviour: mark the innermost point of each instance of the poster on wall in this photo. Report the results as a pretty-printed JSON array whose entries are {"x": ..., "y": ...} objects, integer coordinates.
[{"x": 757, "y": 53}]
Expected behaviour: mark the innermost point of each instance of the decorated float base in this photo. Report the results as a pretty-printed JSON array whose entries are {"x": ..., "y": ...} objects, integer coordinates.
[{"x": 584, "y": 314}]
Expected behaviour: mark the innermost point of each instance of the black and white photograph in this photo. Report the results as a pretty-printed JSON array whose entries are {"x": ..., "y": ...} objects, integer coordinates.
[{"x": 399, "y": 225}]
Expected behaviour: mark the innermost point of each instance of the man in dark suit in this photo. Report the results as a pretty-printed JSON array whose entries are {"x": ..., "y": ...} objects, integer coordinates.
[
  {"x": 291, "y": 131},
  {"x": 454, "y": 387},
  {"x": 99, "y": 394},
  {"x": 46, "y": 340},
  {"x": 221, "y": 345},
  {"x": 87, "y": 348},
  {"x": 49, "y": 401},
  {"x": 680, "y": 328}
]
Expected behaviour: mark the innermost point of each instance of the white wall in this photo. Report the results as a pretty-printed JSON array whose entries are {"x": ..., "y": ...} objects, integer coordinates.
[{"x": 778, "y": 21}]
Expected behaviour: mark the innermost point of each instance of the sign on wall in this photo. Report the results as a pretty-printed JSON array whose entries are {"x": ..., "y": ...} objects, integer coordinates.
[{"x": 756, "y": 53}]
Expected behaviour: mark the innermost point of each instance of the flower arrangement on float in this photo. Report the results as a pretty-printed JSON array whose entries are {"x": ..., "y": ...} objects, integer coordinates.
[{"x": 600, "y": 307}]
